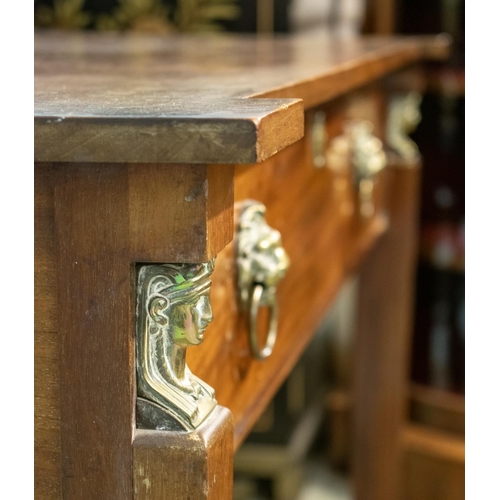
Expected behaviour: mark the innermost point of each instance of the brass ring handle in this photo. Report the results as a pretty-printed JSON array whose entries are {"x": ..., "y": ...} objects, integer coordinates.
[
  {"x": 272, "y": 330},
  {"x": 261, "y": 263},
  {"x": 358, "y": 148},
  {"x": 319, "y": 138}
]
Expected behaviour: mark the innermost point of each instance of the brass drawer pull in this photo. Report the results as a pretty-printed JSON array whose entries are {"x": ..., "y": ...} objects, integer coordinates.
[
  {"x": 261, "y": 263},
  {"x": 359, "y": 149},
  {"x": 272, "y": 330},
  {"x": 369, "y": 159}
]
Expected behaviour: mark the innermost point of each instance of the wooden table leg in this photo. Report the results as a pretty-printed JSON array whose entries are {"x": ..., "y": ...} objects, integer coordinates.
[
  {"x": 95, "y": 321},
  {"x": 383, "y": 340},
  {"x": 108, "y": 218}
]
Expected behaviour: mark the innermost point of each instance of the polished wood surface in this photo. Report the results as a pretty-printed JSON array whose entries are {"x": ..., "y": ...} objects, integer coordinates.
[
  {"x": 95, "y": 321},
  {"x": 116, "y": 98},
  {"x": 316, "y": 211},
  {"x": 192, "y": 204},
  {"x": 179, "y": 465},
  {"x": 382, "y": 343},
  {"x": 46, "y": 359}
]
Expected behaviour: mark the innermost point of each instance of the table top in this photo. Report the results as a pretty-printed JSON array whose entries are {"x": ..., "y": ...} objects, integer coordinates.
[{"x": 193, "y": 99}]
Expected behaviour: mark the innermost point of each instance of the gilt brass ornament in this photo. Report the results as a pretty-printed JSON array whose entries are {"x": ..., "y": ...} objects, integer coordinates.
[
  {"x": 173, "y": 311},
  {"x": 402, "y": 119},
  {"x": 262, "y": 263},
  {"x": 357, "y": 148}
]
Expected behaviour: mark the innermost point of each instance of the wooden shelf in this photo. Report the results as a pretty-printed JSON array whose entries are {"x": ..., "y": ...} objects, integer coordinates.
[
  {"x": 442, "y": 410},
  {"x": 434, "y": 464},
  {"x": 434, "y": 445}
]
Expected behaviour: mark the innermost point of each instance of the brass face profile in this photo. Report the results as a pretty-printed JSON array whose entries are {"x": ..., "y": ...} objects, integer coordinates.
[{"x": 173, "y": 311}]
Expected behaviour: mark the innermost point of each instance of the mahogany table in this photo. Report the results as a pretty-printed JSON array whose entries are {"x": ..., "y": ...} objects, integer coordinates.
[{"x": 148, "y": 151}]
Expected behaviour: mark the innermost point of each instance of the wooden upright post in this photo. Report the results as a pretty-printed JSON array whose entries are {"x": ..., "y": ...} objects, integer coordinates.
[
  {"x": 387, "y": 282},
  {"x": 108, "y": 218}
]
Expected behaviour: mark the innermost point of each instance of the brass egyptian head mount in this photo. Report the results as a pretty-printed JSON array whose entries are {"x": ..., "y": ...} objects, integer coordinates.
[
  {"x": 173, "y": 311},
  {"x": 403, "y": 118},
  {"x": 261, "y": 263}
]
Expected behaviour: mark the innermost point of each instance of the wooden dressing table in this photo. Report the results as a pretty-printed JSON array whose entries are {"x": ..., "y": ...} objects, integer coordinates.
[{"x": 147, "y": 151}]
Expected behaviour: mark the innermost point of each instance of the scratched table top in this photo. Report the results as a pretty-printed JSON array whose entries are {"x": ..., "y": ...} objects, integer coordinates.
[{"x": 194, "y": 99}]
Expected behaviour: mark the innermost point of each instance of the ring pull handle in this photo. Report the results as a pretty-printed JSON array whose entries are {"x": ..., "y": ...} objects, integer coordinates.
[
  {"x": 369, "y": 159},
  {"x": 261, "y": 263},
  {"x": 358, "y": 148},
  {"x": 272, "y": 328},
  {"x": 319, "y": 138}
]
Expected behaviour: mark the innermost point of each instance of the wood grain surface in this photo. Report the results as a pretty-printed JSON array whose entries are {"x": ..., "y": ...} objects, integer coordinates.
[
  {"x": 117, "y": 98},
  {"x": 95, "y": 318},
  {"x": 179, "y": 213},
  {"x": 179, "y": 465},
  {"x": 93, "y": 223},
  {"x": 46, "y": 380},
  {"x": 316, "y": 212}
]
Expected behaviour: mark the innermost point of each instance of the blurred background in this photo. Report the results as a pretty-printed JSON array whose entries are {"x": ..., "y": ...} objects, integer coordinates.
[{"x": 300, "y": 449}]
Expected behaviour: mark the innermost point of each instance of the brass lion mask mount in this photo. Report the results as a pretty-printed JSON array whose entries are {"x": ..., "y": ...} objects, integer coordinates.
[
  {"x": 261, "y": 262},
  {"x": 359, "y": 148},
  {"x": 173, "y": 311}
]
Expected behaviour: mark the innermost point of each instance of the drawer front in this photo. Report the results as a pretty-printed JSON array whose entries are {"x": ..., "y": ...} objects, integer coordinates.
[{"x": 316, "y": 212}]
